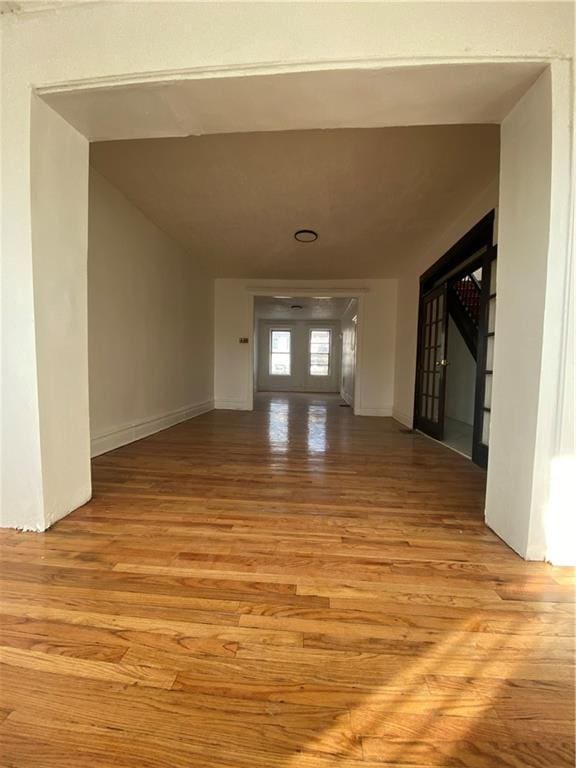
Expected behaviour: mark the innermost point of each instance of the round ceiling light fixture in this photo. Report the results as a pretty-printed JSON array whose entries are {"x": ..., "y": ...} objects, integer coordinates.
[{"x": 306, "y": 235}]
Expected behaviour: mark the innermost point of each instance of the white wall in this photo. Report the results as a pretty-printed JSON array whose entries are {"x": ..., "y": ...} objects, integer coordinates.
[
  {"x": 59, "y": 157},
  {"x": 300, "y": 379},
  {"x": 150, "y": 322},
  {"x": 531, "y": 318},
  {"x": 376, "y": 338},
  {"x": 408, "y": 297},
  {"x": 460, "y": 377},
  {"x": 349, "y": 351}
]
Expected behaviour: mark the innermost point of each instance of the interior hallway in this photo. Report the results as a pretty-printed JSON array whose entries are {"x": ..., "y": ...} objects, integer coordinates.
[{"x": 290, "y": 588}]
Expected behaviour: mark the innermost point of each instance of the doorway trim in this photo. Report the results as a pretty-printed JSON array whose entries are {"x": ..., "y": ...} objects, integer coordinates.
[
  {"x": 461, "y": 254},
  {"x": 313, "y": 290},
  {"x": 468, "y": 253}
]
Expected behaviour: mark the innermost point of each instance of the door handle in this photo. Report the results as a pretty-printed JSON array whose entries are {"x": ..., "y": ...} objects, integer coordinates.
[{"x": 443, "y": 363}]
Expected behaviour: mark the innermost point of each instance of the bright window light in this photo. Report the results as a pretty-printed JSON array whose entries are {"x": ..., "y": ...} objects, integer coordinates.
[
  {"x": 559, "y": 518},
  {"x": 320, "y": 346},
  {"x": 280, "y": 352}
]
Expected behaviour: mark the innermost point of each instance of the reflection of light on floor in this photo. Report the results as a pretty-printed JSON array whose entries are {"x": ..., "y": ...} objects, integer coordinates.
[
  {"x": 444, "y": 687},
  {"x": 316, "y": 429},
  {"x": 458, "y": 435},
  {"x": 278, "y": 426},
  {"x": 559, "y": 516}
]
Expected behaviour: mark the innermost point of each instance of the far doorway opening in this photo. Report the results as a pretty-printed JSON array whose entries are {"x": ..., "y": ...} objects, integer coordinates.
[
  {"x": 456, "y": 327},
  {"x": 306, "y": 344}
]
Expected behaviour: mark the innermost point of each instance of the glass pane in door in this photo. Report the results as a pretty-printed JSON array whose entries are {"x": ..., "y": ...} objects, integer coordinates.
[
  {"x": 280, "y": 353},
  {"x": 319, "y": 352},
  {"x": 431, "y": 362}
]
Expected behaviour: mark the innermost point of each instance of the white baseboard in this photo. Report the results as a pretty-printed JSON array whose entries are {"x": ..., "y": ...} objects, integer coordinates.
[
  {"x": 386, "y": 410},
  {"x": 128, "y": 433},
  {"x": 347, "y": 398},
  {"x": 231, "y": 405},
  {"x": 403, "y": 418},
  {"x": 299, "y": 390}
]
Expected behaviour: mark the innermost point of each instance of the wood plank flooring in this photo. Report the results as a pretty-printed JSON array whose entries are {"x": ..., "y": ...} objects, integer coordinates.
[{"x": 289, "y": 588}]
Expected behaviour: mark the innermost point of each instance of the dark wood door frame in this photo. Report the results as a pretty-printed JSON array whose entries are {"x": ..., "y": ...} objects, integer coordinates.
[
  {"x": 473, "y": 250},
  {"x": 431, "y": 369},
  {"x": 456, "y": 258},
  {"x": 483, "y": 370}
]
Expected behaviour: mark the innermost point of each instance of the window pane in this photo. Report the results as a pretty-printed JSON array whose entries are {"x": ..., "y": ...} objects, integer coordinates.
[
  {"x": 486, "y": 428},
  {"x": 440, "y": 340},
  {"x": 492, "y": 315},
  {"x": 488, "y": 391},
  {"x": 280, "y": 348},
  {"x": 493, "y": 277},
  {"x": 320, "y": 336},
  {"x": 319, "y": 352},
  {"x": 489, "y": 352},
  {"x": 279, "y": 364},
  {"x": 280, "y": 341}
]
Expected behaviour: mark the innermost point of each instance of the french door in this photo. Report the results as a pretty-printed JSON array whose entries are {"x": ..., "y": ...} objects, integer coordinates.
[
  {"x": 462, "y": 285},
  {"x": 485, "y": 360},
  {"x": 431, "y": 362}
]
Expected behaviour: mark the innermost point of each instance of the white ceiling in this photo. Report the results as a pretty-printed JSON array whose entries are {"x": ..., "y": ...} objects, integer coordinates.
[
  {"x": 339, "y": 98},
  {"x": 312, "y": 308},
  {"x": 375, "y": 196},
  {"x": 376, "y": 191},
  {"x": 37, "y": 6}
]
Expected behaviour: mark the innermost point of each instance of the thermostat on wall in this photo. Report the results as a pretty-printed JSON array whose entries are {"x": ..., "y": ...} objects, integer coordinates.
[{"x": 243, "y": 339}]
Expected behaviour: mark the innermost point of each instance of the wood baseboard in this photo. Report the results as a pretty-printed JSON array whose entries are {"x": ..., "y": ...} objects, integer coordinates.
[{"x": 128, "y": 433}]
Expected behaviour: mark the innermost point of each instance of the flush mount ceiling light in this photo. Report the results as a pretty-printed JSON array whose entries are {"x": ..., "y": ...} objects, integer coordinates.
[
  {"x": 282, "y": 297},
  {"x": 296, "y": 306},
  {"x": 306, "y": 235}
]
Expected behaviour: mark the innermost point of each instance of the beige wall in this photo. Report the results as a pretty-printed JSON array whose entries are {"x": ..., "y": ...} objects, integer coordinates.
[
  {"x": 233, "y": 362},
  {"x": 349, "y": 351},
  {"x": 150, "y": 322}
]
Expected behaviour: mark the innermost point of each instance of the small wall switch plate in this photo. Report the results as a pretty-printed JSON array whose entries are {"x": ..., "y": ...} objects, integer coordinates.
[{"x": 243, "y": 340}]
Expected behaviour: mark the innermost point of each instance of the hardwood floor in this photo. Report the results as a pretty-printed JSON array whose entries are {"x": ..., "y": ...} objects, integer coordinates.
[{"x": 289, "y": 588}]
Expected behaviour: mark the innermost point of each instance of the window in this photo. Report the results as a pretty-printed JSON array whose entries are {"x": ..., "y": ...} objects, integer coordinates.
[
  {"x": 320, "y": 345},
  {"x": 280, "y": 353}
]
